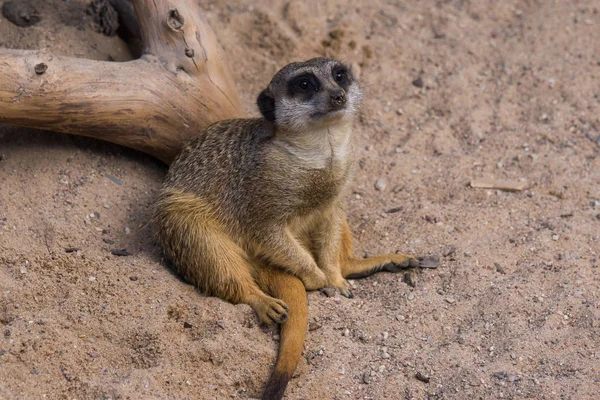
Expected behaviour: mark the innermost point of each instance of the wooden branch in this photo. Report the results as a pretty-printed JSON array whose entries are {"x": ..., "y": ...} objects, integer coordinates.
[{"x": 153, "y": 104}]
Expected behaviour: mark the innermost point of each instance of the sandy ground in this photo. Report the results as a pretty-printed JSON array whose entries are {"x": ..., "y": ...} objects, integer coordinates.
[{"x": 454, "y": 90}]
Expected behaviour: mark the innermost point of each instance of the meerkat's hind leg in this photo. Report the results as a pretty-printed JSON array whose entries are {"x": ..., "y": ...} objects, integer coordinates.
[
  {"x": 356, "y": 268},
  {"x": 207, "y": 257},
  {"x": 353, "y": 268}
]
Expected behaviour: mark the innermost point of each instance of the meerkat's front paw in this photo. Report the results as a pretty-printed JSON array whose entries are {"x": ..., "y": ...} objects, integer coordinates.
[
  {"x": 270, "y": 310},
  {"x": 314, "y": 280},
  {"x": 339, "y": 283}
]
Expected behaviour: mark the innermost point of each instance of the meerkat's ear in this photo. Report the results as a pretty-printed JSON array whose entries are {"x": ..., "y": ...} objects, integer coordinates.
[
  {"x": 266, "y": 105},
  {"x": 355, "y": 71}
]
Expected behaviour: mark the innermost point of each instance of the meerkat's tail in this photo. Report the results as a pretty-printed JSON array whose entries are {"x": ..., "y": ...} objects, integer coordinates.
[{"x": 290, "y": 289}]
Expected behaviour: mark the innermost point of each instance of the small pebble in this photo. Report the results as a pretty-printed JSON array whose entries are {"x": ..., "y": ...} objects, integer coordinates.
[
  {"x": 450, "y": 300},
  {"x": 499, "y": 268},
  {"x": 120, "y": 252},
  {"x": 313, "y": 326},
  {"x": 418, "y": 82},
  {"x": 384, "y": 353},
  {"x": 367, "y": 377},
  {"x": 499, "y": 375},
  {"x": 410, "y": 296},
  {"x": 408, "y": 279},
  {"x": 421, "y": 377},
  {"x": 555, "y": 237},
  {"x": 380, "y": 184}
]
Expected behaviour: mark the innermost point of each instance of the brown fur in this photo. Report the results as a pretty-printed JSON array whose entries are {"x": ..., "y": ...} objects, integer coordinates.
[{"x": 252, "y": 210}]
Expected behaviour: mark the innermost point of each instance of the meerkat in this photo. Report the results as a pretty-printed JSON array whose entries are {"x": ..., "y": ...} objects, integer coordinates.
[{"x": 252, "y": 210}]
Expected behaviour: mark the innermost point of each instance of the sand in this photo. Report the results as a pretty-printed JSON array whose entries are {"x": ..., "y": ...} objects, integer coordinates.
[{"x": 455, "y": 91}]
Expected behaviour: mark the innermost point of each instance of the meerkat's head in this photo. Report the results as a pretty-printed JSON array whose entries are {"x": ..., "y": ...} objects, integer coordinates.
[{"x": 307, "y": 95}]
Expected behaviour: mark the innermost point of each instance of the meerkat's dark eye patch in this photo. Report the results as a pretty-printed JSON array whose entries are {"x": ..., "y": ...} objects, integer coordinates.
[
  {"x": 341, "y": 75},
  {"x": 303, "y": 84}
]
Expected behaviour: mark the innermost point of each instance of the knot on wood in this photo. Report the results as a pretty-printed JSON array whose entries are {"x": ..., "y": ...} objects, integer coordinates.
[
  {"x": 175, "y": 20},
  {"x": 189, "y": 52},
  {"x": 40, "y": 68}
]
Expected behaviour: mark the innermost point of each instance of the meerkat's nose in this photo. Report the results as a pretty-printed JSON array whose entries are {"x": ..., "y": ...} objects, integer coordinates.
[{"x": 338, "y": 98}]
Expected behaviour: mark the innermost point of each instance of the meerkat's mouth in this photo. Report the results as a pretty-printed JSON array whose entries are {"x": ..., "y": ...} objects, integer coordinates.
[{"x": 334, "y": 113}]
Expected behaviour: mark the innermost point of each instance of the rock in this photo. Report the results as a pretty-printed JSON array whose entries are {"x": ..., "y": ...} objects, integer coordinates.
[
  {"x": 384, "y": 353},
  {"x": 499, "y": 268},
  {"x": 20, "y": 13},
  {"x": 105, "y": 17},
  {"x": 421, "y": 377},
  {"x": 380, "y": 184},
  {"x": 499, "y": 375},
  {"x": 450, "y": 251},
  {"x": 366, "y": 378},
  {"x": 408, "y": 279},
  {"x": 418, "y": 82},
  {"x": 120, "y": 252}
]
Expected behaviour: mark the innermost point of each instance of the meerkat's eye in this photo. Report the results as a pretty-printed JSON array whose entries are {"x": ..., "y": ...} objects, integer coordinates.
[
  {"x": 303, "y": 84},
  {"x": 340, "y": 75}
]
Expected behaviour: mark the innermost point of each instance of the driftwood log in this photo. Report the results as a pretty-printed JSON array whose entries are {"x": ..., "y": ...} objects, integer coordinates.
[{"x": 181, "y": 83}]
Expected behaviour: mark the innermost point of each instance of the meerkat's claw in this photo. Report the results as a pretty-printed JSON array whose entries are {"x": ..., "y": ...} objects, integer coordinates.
[
  {"x": 408, "y": 261},
  {"x": 428, "y": 262},
  {"x": 347, "y": 293},
  {"x": 343, "y": 286}
]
